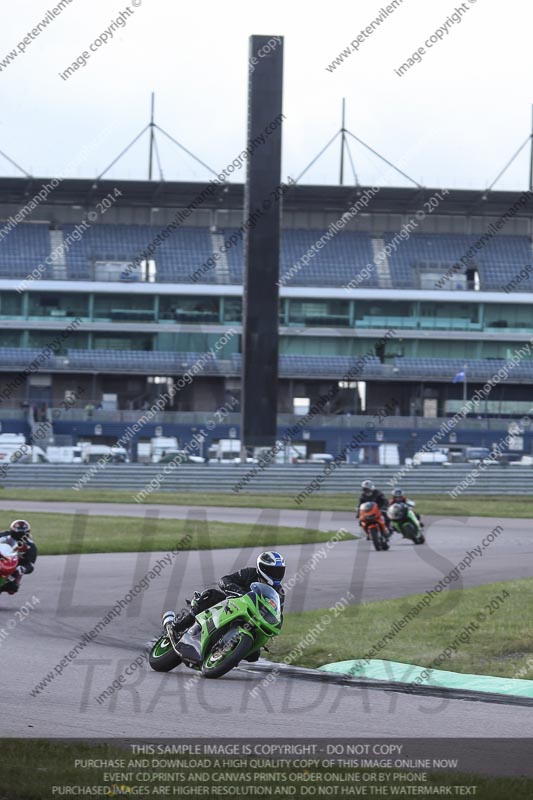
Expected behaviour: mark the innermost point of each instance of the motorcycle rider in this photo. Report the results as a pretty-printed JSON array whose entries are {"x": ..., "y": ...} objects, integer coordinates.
[
  {"x": 369, "y": 494},
  {"x": 399, "y": 497},
  {"x": 19, "y": 537},
  {"x": 269, "y": 569}
]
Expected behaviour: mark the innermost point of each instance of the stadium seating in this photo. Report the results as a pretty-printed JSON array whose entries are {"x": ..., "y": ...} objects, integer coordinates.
[
  {"x": 297, "y": 366},
  {"x": 184, "y": 251},
  {"x": 498, "y": 261},
  {"x": 338, "y": 262},
  {"x": 145, "y": 361},
  {"x": 23, "y": 249},
  {"x": 335, "y": 264},
  {"x": 321, "y": 366},
  {"x": 477, "y": 369},
  {"x": 21, "y": 357},
  {"x": 290, "y": 366}
]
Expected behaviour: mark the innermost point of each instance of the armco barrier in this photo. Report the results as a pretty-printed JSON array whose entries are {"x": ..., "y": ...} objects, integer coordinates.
[{"x": 276, "y": 479}]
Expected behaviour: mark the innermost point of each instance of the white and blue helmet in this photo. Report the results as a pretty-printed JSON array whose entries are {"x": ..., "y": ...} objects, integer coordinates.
[{"x": 271, "y": 567}]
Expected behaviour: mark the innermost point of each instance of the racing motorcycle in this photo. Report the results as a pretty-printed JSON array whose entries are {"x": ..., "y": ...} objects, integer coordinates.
[
  {"x": 9, "y": 562},
  {"x": 374, "y": 525},
  {"x": 405, "y": 521},
  {"x": 222, "y": 635}
]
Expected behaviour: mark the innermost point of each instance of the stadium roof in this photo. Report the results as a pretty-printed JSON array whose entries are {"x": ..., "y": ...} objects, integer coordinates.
[{"x": 389, "y": 200}]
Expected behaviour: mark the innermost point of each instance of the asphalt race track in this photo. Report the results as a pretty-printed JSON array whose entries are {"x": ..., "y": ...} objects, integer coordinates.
[
  {"x": 349, "y": 565},
  {"x": 75, "y": 592}
]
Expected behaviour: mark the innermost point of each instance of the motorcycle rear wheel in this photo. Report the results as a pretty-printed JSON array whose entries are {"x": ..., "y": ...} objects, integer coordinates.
[
  {"x": 162, "y": 656},
  {"x": 218, "y": 662}
]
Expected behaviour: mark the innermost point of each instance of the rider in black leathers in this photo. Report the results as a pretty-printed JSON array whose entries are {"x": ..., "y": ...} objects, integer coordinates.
[
  {"x": 370, "y": 494},
  {"x": 269, "y": 569}
]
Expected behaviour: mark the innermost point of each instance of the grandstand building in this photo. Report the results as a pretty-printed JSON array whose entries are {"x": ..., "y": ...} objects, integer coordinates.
[{"x": 116, "y": 289}]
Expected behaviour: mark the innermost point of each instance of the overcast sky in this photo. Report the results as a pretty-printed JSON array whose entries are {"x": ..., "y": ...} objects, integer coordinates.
[{"x": 452, "y": 120}]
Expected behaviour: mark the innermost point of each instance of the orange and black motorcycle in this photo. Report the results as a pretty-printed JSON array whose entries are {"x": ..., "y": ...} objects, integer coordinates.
[{"x": 374, "y": 525}]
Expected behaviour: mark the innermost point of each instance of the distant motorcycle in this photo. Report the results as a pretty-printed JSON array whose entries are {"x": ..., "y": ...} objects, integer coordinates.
[
  {"x": 374, "y": 525},
  {"x": 221, "y": 636},
  {"x": 9, "y": 562},
  {"x": 405, "y": 521}
]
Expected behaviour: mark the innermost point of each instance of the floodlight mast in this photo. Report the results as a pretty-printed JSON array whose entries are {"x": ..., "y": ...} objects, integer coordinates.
[
  {"x": 14, "y": 163},
  {"x": 152, "y": 139},
  {"x": 529, "y": 141},
  {"x": 531, "y": 155},
  {"x": 344, "y": 132},
  {"x": 152, "y": 126},
  {"x": 343, "y": 140}
]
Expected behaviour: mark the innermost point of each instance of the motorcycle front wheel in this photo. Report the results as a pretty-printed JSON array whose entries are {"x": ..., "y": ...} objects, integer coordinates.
[
  {"x": 226, "y": 653},
  {"x": 378, "y": 540},
  {"x": 409, "y": 531},
  {"x": 162, "y": 656}
]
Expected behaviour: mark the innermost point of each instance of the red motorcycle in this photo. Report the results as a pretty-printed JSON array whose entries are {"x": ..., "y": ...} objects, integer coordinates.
[
  {"x": 9, "y": 562},
  {"x": 374, "y": 525}
]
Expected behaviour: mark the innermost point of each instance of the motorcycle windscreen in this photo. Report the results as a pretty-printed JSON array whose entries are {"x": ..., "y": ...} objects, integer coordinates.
[
  {"x": 268, "y": 602},
  {"x": 6, "y": 551},
  {"x": 8, "y": 560}
]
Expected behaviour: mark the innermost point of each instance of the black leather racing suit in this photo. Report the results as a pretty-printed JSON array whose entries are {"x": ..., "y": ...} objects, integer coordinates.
[{"x": 237, "y": 583}]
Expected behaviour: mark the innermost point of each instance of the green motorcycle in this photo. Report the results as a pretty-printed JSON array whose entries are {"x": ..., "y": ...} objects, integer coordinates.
[
  {"x": 221, "y": 636},
  {"x": 405, "y": 521}
]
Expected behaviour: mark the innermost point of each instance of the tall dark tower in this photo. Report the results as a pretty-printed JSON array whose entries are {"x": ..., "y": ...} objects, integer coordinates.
[{"x": 262, "y": 246}]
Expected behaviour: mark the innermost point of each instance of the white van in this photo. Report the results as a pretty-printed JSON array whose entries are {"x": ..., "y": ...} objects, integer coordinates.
[
  {"x": 321, "y": 458},
  {"x": 22, "y": 454},
  {"x": 64, "y": 455},
  {"x": 91, "y": 453},
  {"x": 226, "y": 451},
  {"x": 160, "y": 446},
  {"x": 434, "y": 457}
]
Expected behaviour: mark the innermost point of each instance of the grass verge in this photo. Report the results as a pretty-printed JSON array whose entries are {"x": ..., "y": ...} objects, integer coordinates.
[
  {"x": 502, "y": 646},
  {"x": 63, "y": 533},
  {"x": 32, "y": 769},
  {"x": 513, "y": 506}
]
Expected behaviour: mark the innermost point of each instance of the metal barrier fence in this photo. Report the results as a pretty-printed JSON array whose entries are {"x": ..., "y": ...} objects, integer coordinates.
[{"x": 276, "y": 479}]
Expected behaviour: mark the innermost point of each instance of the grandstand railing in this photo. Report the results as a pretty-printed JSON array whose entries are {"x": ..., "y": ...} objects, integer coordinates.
[{"x": 347, "y": 421}]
